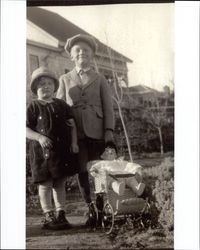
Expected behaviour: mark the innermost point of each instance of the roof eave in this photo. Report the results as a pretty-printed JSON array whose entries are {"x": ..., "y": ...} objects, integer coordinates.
[{"x": 42, "y": 45}]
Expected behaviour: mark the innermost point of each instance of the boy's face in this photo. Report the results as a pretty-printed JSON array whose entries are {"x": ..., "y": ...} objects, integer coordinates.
[
  {"x": 81, "y": 54},
  {"x": 45, "y": 88}
]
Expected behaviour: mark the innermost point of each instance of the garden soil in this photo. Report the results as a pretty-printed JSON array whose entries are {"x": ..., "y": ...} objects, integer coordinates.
[{"x": 80, "y": 237}]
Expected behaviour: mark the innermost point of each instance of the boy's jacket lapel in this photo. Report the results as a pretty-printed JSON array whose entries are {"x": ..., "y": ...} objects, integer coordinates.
[
  {"x": 75, "y": 78},
  {"x": 91, "y": 78}
]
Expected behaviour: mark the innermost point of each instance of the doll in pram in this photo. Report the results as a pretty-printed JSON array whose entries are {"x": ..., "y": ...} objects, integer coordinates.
[{"x": 118, "y": 189}]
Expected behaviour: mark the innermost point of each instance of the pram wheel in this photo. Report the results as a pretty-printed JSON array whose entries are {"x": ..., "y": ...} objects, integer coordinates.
[{"x": 108, "y": 218}]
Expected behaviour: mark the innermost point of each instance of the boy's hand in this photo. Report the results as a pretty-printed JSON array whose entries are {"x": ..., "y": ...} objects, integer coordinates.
[
  {"x": 45, "y": 142},
  {"x": 74, "y": 148},
  {"x": 109, "y": 135}
]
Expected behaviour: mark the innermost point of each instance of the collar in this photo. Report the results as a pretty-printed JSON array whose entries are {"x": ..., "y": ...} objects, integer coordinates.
[
  {"x": 43, "y": 102},
  {"x": 92, "y": 76},
  {"x": 78, "y": 69}
]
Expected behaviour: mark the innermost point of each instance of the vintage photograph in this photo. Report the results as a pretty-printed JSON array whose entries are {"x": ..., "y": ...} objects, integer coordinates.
[{"x": 100, "y": 126}]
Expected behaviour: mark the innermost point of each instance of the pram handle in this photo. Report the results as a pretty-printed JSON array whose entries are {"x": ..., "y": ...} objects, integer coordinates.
[{"x": 115, "y": 176}]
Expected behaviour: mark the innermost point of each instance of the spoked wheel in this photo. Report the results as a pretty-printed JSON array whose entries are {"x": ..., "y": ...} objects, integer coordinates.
[
  {"x": 146, "y": 216},
  {"x": 108, "y": 218}
]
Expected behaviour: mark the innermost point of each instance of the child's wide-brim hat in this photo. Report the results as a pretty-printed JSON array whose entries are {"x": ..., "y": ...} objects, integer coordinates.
[
  {"x": 39, "y": 72},
  {"x": 80, "y": 38}
]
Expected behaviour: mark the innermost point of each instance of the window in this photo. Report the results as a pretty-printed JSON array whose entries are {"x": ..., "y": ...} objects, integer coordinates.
[
  {"x": 140, "y": 100},
  {"x": 145, "y": 103},
  {"x": 34, "y": 62}
]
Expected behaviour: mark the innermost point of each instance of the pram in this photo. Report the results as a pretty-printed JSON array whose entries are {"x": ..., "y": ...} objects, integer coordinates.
[{"x": 114, "y": 206}]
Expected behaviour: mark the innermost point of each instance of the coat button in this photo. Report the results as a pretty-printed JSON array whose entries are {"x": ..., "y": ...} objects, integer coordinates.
[
  {"x": 40, "y": 117},
  {"x": 56, "y": 116}
]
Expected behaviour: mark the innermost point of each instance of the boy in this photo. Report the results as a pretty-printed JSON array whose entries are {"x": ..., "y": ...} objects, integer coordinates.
[{"x": 89, "y": 95}]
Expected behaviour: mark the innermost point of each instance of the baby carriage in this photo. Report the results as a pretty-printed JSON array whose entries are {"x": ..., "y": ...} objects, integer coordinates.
[{"x": 116, "y": 202}]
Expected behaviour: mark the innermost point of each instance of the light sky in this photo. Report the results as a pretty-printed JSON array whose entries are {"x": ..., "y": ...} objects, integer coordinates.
[{"x": 142, "y": 32}]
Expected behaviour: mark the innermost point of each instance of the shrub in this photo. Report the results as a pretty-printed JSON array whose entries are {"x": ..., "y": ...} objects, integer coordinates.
[
  {"x": 164, "y": 194},
  {"x": 160, "y": 193}
]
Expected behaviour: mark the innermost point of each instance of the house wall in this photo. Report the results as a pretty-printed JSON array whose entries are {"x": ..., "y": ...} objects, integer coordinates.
[
  {"x": 34, "y": 33},
  {"x": 106, "y": 67}
]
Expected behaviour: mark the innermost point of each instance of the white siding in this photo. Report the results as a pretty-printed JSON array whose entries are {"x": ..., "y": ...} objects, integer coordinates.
[{"x": 34, "y": 33}]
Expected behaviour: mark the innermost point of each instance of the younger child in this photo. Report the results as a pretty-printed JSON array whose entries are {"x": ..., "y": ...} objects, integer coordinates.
[
  {"x": 119, "y": 167},
  {"x": 50, "y": 146}
]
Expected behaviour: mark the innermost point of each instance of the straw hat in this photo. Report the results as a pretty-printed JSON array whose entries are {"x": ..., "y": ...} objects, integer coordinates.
[
  {"x": 42, "y": 71},
  {"x": 80, "y": 37}
]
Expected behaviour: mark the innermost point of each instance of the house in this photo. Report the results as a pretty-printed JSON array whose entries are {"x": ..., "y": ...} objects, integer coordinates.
[
  {"x": 144, "y": 96},
  {"x": 47, "y": 33}
]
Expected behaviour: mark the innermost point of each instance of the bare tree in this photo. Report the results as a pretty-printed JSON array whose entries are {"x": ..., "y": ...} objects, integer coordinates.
[
  {"x": 157, "y": 117},
  {"x": 118, "y": 97}
]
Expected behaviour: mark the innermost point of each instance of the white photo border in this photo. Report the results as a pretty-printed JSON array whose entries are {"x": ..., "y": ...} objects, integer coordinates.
[{"x": 13, "y": 101}]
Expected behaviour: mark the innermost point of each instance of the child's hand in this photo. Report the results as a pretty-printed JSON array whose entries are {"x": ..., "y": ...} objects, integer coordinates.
[
  {"x": 45, "y": 142},
  {"x": 74, "y": 148}
]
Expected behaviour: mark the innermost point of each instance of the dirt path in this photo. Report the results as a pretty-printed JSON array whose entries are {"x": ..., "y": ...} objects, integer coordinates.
[
  {"x": 79, "y": 237},
  {"x": 76, "y": 238}
]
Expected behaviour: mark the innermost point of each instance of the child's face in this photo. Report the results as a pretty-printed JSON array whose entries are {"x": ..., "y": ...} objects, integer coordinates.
[
  {"x": 109, "y": 154},
  {"x": 81, "y": 54},
  {"x": 45, "y": 88}
]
